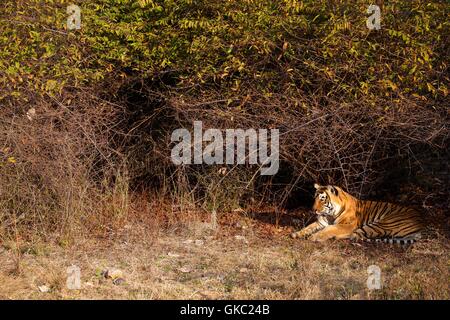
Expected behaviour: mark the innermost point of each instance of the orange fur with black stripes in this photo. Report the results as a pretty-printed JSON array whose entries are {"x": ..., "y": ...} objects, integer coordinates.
[{"x": 342, "y": 216}]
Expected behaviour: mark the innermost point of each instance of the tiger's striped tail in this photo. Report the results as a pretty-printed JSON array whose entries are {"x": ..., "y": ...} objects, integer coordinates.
[{"x": 398, "y": 241}]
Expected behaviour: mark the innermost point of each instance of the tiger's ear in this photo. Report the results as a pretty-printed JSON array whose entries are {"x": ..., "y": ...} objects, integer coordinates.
[
  {"x": 317, "y": 186},
  {"x": 333, "y": 190}
]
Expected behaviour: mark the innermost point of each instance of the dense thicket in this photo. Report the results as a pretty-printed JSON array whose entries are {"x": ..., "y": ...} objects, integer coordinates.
[{"x": 85, "y": 114}]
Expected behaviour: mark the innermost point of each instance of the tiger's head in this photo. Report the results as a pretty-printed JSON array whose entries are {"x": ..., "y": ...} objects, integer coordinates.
[{"x": 328, "y": 201}]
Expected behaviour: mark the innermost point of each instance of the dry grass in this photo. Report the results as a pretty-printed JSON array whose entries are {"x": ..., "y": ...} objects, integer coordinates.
[{"x": 243, "y": 259}]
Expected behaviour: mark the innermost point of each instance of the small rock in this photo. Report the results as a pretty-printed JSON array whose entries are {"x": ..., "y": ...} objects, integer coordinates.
[
  {"x": 189, "y": 241},
  {"x": 173, "y": 255},
  {"x": 118, "y": 281},
  {"x": 112, "y": 273},
  {"x": 184, "y": 269},
  {"x": 44, "y": 288},
  {"x": 241, "y": 238},
  {"x": 31, "y": 113}
]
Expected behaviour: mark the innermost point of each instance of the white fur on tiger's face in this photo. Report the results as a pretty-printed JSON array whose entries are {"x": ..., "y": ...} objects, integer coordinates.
[{"x": 325, "y": 205}]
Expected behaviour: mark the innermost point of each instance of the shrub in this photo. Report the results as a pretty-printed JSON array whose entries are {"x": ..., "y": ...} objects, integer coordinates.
[{"x": 354, "y": 107}]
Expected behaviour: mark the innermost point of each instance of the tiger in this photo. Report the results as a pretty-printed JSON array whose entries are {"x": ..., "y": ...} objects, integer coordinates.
[{"x": 343, "y": 216}]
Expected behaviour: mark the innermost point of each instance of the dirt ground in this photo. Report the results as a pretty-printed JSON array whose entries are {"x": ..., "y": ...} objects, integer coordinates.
[{"x": 241, "y": 259}]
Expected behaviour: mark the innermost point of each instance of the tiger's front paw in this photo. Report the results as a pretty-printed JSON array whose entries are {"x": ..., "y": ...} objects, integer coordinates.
[
  {"x": 296, "y": 235},
  {"x": 356, "y": 236},
  {"x": 299, "y": 235},
  {"x": 317, "y": 237}
]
